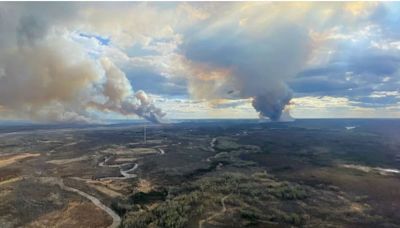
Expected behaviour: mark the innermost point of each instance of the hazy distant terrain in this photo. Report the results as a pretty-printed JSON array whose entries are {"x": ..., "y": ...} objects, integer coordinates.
[{"x": 204, "y": 173}]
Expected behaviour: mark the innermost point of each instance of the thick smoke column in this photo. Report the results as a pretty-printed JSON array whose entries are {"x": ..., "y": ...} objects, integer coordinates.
[
  {"x": 237, "y": 65},
  {"x": 272, "y": 104}
]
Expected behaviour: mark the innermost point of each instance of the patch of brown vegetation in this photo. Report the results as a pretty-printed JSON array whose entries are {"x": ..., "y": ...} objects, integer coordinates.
[
  {"x": 75, "y": 214},
  {"x": 109, "y": 187},
  {"x": 135, "y": 151},
  {"x": 119, "y": 186},
  {"x": 356, "y": 207},
  {"x": 122, "y": 160},
  {"x": 122, "y": 150},
  {"x": 11, "y": 180},
  {"x": 144, "y": 186},
  {"x": 10, "y": 159},
  {"x": 66, "y": 161},
  {"x": 7, "y": 173},
  {"x": 105, "y": 190}
]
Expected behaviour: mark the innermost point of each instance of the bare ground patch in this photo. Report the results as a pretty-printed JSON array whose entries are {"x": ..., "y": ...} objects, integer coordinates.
[
  {"x": 10, "y": 159},
  {"x": 75, "y": 214},
  {"x": 144, "y": 186},
  {"x": 67, "y": 161}
]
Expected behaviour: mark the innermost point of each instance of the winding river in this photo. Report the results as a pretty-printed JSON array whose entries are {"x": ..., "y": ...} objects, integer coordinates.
[{"x": 126, "y": 174}]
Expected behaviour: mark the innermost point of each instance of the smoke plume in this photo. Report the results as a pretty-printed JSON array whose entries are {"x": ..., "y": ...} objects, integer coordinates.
[
  {"x": 272, "y": 104},
  {"x": 46, "y": 76},
  {"x": 120, "y": 97},
  {"x": 235, "y": 65}
]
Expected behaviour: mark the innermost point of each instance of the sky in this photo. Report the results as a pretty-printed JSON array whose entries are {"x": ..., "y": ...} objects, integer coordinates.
[{"x": 89, "y": 62}]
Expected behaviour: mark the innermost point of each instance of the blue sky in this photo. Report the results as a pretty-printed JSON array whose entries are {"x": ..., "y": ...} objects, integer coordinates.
[{"x": 87, "y": 61}]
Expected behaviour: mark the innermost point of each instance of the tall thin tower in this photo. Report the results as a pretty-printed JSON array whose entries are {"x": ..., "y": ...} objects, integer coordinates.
[{"x": 144, "y": 134}]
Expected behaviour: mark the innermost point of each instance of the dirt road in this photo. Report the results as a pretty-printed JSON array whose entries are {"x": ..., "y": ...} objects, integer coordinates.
[{"x": 215, "y": 214}]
